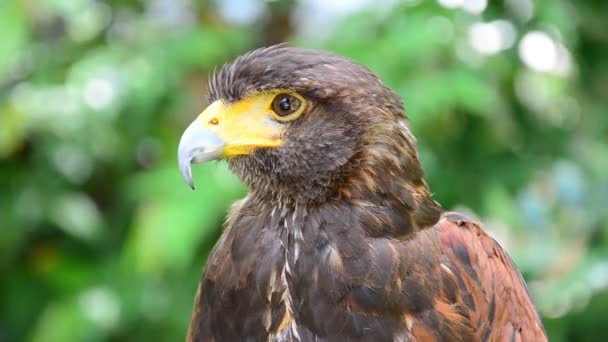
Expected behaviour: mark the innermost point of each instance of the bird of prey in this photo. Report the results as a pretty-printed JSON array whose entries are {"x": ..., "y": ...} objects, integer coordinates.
[{"x": 338, "y": 238}]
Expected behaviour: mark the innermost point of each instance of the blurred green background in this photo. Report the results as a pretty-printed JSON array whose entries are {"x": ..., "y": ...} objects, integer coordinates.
[{"x": 101, "y": 240}]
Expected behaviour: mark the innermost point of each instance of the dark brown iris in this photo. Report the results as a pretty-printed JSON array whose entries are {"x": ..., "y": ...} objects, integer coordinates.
[{"x": 285, "y": 104}]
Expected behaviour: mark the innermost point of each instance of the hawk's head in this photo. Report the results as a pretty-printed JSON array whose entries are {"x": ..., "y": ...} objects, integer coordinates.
[{"x": 305, "y": 125}]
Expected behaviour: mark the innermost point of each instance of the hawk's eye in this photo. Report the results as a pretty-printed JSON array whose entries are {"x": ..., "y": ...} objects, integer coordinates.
[{"x": 285, "y": 105}]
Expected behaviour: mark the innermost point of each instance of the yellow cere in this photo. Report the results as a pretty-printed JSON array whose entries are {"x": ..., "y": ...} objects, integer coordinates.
[{"x": 247, "y": 124}]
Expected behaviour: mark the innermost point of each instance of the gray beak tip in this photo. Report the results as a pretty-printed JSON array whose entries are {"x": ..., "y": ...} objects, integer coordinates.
[
  {"x": 186, "y": 171},
  {"x": 190, "y": 181}
]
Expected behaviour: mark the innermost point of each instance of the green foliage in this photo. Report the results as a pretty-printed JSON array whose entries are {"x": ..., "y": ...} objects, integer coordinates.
[{"x": 101, "y": 240}]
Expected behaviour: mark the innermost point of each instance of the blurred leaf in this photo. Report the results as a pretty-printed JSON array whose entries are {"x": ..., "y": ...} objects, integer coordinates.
[
  {"x": 63, "y": 321},
  {"x": 13, "y": 132},
  {"x": 172, "y": 220},
  {"x": 13, "y": 34}
]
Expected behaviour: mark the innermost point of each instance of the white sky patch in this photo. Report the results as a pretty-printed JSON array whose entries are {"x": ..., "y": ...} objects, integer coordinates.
[
  {"x": 474, "y": 6},
  {"x": 492, "y": 37},
  {"x": 99, "y": 93},
  {"x": 101, "y": 306},
  {"x": 241, "y": 12},
  {"x": 542, "y": 53},
  {"x": 317, "y": 18},
  {"x": 451, "y": 3},
  {"x": 470, "y": 6}
]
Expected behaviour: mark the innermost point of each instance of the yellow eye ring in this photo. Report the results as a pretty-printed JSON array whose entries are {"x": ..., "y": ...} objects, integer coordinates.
[{"x": 287, "y": 106}]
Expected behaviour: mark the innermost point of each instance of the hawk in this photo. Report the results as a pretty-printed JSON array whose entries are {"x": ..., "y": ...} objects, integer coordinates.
[{"x": 338, "y": 238}]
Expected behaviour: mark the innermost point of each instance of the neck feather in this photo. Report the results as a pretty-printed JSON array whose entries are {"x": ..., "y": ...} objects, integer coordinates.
[{"x": 390, "y": 175}]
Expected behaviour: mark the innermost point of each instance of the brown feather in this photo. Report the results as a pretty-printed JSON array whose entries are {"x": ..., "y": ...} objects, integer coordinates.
[
  {"x": 339, "y": 238},
  {"x": 501, "y": 303}
]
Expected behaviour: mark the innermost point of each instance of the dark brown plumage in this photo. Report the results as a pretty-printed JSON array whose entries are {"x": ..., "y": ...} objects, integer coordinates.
[{"x": 339, "y": 238}]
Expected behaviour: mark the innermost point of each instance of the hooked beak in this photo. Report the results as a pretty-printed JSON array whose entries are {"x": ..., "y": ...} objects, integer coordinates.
[{"x": 197, "y": 145}]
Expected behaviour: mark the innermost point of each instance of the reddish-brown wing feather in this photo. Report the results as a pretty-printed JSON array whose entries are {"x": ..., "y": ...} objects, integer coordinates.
[{"x": 495, "y": 296}]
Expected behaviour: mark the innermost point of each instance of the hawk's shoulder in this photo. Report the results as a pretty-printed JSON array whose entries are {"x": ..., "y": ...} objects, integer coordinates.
[{"x": 487, "y": 282}]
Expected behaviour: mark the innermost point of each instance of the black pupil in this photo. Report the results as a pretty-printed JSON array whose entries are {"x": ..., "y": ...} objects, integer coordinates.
[{"x": 285, "y": 104}]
